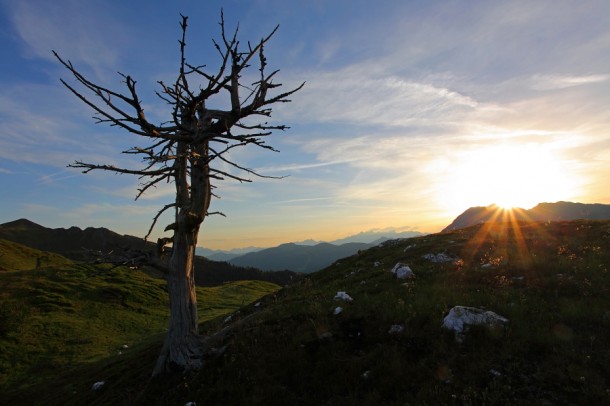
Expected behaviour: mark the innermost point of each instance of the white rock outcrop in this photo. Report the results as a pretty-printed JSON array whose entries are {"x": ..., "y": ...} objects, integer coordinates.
[
  {"x": 439, "y": 258},
  {"x": 402, "y": 271},
  {"x": 343, "y": 296},
  {"x": 460, "y": 318}
]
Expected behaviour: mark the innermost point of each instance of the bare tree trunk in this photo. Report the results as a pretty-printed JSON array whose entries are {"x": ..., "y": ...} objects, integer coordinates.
[
  {"x": 181, "y": 151},
  {"x": 182, "y": 348}
]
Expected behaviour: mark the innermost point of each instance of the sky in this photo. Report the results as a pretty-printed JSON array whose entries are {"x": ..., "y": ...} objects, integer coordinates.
[{"x": 412, "y": 111}]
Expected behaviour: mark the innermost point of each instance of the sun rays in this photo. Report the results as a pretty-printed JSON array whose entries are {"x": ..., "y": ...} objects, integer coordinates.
[{"x": 504, "y": 226}]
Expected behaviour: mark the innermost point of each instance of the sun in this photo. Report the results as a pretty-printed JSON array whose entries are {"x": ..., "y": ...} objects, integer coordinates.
[{"x": 509, "y": 176}]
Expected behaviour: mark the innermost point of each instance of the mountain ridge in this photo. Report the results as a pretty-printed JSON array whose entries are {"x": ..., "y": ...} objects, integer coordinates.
[
  {"x": 84, "y": 245},
  {"x": 558, "y": 211},
  {"x": 299, "y": 258},
  {"x": 374, "y": 237}
]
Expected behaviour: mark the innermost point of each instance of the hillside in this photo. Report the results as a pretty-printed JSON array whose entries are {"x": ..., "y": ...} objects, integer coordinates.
[
  {"x": 298, "y": 258},
  {"x": 559, "y": 211},
  {"x": 17, "y": 257},
  {"x": 309, "y": 344},
  {"x": 63, "y": 317},
  {"x": 84, "y": 245},
  {"x": 73, "y": 242}
]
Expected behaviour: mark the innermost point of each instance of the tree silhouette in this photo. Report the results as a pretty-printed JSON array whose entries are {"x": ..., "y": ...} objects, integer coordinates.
[{"x": 186, "y": 151}]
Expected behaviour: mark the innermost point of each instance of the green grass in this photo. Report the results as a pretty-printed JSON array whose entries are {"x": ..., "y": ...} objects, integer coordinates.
[
  {"x": 57, "y": 318},
  {"x": 17, "y": 257},
  {"x": 550, "y": 280}
]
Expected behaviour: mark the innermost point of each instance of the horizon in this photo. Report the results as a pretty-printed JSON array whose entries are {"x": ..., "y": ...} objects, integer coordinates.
[
  {"x": 432, "y": 108},
  {"x": 366, "y": 236}
]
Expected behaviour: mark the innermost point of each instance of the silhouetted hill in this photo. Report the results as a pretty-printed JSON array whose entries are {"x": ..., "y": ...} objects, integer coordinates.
[
  {"x": 559, "y": 211},
  {"x": 563, "y": 211},
  {"x": 73, "y": 242},
  {"x": 298, "y": 258},
  {"x": 81, "y": 245}
]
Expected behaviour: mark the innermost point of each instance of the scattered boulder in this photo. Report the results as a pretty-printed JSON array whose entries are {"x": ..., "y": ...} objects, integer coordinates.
[
  {"x": 98, "y": 385},
  {"x": 343, "y": 296},
  {"x": 460, "y": 318},
  {"x": 396, "y": 329},
  {"x": 338, "y": 310},
  {"x": 402, "y": 271},
  {"x": 439, "y": 258}
]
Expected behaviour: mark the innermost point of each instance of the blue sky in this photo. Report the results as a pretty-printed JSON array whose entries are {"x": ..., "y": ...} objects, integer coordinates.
[{"x": 413, "y": 111}]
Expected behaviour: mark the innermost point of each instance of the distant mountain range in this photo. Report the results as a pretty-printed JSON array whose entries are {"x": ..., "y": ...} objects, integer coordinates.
[
  {"x": 559, "y": 211},
  {"x": 250, "y": 263},
  {"x": 82, "y": 245},
  {"x": 299, "y": 258},
  {"x": 369, "y": 238},
  {"x": 306, "y": 256}
]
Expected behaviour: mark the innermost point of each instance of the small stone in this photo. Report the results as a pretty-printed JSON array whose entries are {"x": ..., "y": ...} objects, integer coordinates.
[
  {"x": 98, "y": 385},
  {"x": 402, "y": 271},
  {"x": 338, "y": 310},
  {"x": 343, "y": 296},
  {"x": 396, "y": 329},
  {"x": 438, "y": 258}
]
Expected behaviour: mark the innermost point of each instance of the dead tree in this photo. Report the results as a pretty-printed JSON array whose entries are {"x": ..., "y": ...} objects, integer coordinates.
[{"x": 185, "y": 151}]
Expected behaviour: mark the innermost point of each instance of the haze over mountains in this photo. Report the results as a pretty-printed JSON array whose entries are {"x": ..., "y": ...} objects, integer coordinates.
[{"x": 374, "y": 237}]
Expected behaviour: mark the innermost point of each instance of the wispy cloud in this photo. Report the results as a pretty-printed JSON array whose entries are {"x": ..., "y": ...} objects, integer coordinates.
[
  {"x": 354, "y": 95},
  {"x": 53, "y": 178},
  {"x": 81, "y": 31},
  {"x": 550, "y": 82}
]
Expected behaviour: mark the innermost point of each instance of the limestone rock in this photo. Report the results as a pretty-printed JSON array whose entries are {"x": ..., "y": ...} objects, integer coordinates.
[
  {"x": 402, "y": 271},
  {"x": 460, "y": 318}
]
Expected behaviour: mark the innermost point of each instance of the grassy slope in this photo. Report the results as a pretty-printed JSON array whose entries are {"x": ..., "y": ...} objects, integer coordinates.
[
  {"x": 17, "y": 257},
  {"x": 550, "y": 280},
  {"x": 57, "y": 318}
]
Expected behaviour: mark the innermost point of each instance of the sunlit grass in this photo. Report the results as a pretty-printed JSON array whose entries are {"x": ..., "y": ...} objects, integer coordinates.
[{"x": 59, "y": 318}]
